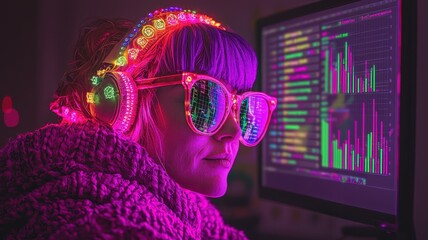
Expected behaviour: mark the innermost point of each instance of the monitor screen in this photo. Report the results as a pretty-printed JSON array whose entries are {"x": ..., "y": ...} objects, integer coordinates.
[{"x": 335, "y": 68}]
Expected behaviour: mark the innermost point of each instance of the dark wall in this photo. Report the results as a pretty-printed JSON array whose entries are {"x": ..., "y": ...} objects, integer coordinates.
[
  {"x": 37, "y": 40},
  {"x": 19, "y": 76},
  {"x": 421, "y": 165}
]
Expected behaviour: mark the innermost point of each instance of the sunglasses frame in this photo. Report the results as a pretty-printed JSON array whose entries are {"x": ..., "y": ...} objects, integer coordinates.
[{"x": 233, "y": 101}]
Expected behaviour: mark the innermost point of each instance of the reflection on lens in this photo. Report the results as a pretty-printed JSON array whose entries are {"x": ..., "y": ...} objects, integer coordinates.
[
  {"x": 253, "y": 115},
  {"x": 207, "y": 105}
]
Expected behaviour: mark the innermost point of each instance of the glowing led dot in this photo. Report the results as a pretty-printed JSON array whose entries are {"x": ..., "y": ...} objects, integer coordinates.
[
  {"x": 133, "y": 53},
  {"x": 101, "y": 72},
  {"x": 109, "y": 92},
  {"x": 66, "y": 111},
  {"x": 73, "y": 117},
  {"x": 192, "y": 16},
  {"x": 217, "y": 24},
  {"x": 159, "y": 24},
  {"x": 142, "y": 42},
  {"x": 212, "y": 22},
  {"x": 189, "y": 78},
  {"x": 121, "y": 61},
  {"x": 182, "y": 16},
  {"x": 90, "y": 97},
  {"x": 172, "y": 19},
  {"x": 148, "y": 31},
  {"x": 95, "y": 80}
]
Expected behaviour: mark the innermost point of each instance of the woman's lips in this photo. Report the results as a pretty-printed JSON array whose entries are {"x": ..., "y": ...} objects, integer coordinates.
[{"x": 223, "y": 159}]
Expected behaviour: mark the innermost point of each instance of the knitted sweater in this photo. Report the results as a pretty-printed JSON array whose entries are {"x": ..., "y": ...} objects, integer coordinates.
[{"x": 76, "y": 181}]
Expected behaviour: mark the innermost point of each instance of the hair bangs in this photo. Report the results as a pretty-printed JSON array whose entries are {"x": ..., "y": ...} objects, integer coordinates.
[{"x": 207, "y": 50}]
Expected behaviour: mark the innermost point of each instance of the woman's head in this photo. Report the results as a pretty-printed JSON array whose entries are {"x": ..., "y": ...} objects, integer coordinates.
[
  {"x": 191, "y": 159},
  {"x": 197, "y": 162}
]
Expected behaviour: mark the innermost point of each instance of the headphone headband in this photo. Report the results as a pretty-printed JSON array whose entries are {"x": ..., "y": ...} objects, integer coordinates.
[{"x": 147, "y": 32}]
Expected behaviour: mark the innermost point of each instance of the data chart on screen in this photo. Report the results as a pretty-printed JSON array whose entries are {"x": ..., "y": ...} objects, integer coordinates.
[{"x": 337, "y": 80}]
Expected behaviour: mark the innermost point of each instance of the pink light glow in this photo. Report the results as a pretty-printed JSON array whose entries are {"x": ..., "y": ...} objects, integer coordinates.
[
  {"x": 11, "y": 118},
  {"x": 6, "y": 104}
]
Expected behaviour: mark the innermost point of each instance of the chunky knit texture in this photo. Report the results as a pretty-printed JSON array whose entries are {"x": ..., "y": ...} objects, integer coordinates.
[{"x": 83, "y": 181}]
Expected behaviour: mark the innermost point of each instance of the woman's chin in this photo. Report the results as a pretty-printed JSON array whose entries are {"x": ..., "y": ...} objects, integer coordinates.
[{"x": 215, "y": 190}]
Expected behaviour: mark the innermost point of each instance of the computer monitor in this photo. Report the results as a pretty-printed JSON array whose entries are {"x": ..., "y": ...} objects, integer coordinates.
[{"x": 341, "y": 140}]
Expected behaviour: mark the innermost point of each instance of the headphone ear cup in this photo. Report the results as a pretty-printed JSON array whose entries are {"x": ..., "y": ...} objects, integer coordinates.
[{"x": 115, "y": 100}]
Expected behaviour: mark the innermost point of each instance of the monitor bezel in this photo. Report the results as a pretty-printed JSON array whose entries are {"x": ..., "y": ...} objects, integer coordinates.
[{"x": 402, "y": 222}]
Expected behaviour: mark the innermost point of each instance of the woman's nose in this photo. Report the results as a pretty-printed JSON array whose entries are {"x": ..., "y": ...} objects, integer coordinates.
[{"x": 230, "y": 131}]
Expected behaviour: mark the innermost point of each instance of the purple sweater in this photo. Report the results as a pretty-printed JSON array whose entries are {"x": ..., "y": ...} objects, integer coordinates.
[{"x": 78, "y": 181}]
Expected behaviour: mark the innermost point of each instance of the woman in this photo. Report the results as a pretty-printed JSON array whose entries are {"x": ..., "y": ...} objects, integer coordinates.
[{"x": 153, "y": 114}]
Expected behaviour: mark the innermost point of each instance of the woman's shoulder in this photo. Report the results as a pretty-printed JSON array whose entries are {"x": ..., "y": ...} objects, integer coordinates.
[
  {"x": 55, "y": 130},
  {"x": 92, "y": 176},
  {"x": 55, "y": 136}
]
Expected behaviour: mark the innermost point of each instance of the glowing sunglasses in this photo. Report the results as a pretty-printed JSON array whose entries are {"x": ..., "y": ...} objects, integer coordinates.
[{"x": 208, "y": 104}]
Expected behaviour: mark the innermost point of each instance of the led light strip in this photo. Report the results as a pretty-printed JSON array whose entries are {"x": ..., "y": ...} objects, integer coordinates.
[
  {"x": 150, "y": 29},
  {"x": 128, "y": 101}
]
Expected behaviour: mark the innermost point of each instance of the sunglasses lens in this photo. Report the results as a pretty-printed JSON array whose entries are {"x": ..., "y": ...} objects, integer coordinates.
[
  {"x": 253, "y": 113},
  {"x": 207, "y": 105}
]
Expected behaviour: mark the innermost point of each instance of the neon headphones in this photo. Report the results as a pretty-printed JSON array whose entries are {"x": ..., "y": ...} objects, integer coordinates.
[{"x": 114, "y": 96}]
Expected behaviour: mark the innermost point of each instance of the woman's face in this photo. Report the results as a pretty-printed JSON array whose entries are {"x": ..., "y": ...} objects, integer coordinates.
[{"x": 196, "y": 162}]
